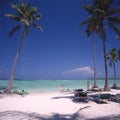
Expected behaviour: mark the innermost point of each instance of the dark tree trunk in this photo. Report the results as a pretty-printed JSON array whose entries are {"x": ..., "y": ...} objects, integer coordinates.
[
  {"x": 115, "y": 82},
  {"x": 106, "y": 86},
  {"x": 94, "y": 60},
  {"x": 9, "y": 86}
]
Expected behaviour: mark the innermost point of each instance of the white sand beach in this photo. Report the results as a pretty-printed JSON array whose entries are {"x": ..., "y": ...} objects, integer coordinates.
[{"x": 55, "y": 106}]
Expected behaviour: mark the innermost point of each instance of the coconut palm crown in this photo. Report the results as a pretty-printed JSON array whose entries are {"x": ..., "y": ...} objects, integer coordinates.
[{"x": 25, "y": 16}]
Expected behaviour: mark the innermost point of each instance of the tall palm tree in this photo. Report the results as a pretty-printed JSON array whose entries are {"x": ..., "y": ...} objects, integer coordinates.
[
  {"x": 25, "y": 15},
  {"x": 91, "y": 23},
  {"x": 112, "y": 56},
  {"x": 101, "y": 10}
]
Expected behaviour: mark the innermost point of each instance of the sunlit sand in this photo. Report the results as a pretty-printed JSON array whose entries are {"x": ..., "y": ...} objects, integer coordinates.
[{"x": 55, "y": 106}]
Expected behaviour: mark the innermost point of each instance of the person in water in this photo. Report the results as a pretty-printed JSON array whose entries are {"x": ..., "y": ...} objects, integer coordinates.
[
  {"x": 62, "y": 88},
  {"x": 88, "y": 85}
]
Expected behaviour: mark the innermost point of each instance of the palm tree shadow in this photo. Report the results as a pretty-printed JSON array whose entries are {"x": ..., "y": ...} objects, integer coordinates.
[
  {"x": 60, "y": 97},
  {"x": 72, "y": 98},
  {"x": 19, "y": 115}
]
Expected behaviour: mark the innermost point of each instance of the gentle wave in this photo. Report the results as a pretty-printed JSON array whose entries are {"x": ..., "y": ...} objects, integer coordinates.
[{"x": 51, "y": 85}]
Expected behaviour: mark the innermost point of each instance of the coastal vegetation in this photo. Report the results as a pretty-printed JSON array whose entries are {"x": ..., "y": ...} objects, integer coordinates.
[
  {"x": 105, "y": 15},
  {"x": 113, "y": 57},
  {"x": 25, "y": 16}
]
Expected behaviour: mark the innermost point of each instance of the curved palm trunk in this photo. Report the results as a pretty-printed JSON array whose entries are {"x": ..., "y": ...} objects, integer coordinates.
[
  {"x": 94, "y": 60},
  {"x": 115, "y": 82},
  {"x": 106, "y": 87},
  {"x": 9, "y": 86}
]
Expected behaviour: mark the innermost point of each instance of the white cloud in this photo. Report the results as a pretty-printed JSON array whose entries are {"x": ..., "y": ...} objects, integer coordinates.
[{"x": 80, "y": 71}]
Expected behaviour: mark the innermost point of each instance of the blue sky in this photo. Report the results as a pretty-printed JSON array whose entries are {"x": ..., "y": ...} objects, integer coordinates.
[{"x": 61, "y": 51}]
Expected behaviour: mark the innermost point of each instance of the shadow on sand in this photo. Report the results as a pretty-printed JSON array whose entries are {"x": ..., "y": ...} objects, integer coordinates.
[
  {"x": 72, "y": 98},
  {"x": 60, "y": 97},
  {"x": 19, "y": 115}
]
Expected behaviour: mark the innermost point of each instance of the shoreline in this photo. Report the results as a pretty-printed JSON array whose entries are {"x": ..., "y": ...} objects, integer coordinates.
[{"x": 51, "y": 85}]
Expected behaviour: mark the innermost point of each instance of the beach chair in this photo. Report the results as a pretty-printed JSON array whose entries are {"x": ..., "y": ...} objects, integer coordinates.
[
  {"x": 105, "y": 96},
  {"x": 115, "y": 98},
  {"x": 96, "y": 98},
  {"x": 100, "y": 98},
  {"x": 80, "y": 95}
]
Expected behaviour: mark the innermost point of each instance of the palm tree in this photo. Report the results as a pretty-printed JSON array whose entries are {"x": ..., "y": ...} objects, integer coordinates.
[
  {"x": 103, "y": 12},
  {"x": 112, "y": 56},
  {"x": 26, "y": 15},
  {"x": 92, "y": 24}
]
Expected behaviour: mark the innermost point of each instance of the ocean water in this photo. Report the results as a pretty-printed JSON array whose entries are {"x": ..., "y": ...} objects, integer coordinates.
[{"x": 51, "y": 85}]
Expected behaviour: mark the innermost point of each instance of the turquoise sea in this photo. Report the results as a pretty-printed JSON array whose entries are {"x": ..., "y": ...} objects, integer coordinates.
[{"x": 51, "y": 85}]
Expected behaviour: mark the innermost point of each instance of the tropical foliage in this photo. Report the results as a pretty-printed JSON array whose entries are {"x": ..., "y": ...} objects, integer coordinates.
[
  {"x": 25, "y": 16},
  {"x": 105, "y": 14},
  {"x": 112, "y": 56}
]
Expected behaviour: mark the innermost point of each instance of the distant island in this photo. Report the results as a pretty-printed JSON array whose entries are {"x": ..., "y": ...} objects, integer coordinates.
[{"x": 103, "y": 78}]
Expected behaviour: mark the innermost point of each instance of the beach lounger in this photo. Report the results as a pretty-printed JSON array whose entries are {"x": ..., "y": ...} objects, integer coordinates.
[
  {"x": 80, "y": 95},
  {"x": 115, "y": 98},
  {"x": 100, "y": 99}
]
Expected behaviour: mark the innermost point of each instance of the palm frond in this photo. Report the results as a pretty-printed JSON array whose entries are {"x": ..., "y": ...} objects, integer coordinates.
[
  {"x": 84, "y": 23},
  {"x": 114, "y": 10},
  {"x": 88, "y": 32},
  {"x": 37, "y": 26},
  {"x": 88, "y": 8},
  {"x": 15, "y": 29},
  {"x": 103, "y": 4},
  {"x": 14, "y": 17},
  {"x": 26, "y": 15},
  {"x": 18, "y": 9},
  {"x": 33, "y": 10},
  {"x": 114, "y": 19},
  {"x": 112, "y": 56},
  {"x": 115, "y": 28},
  {"x": 108, "y": 56},
  {"x": 38, "y": 16}
]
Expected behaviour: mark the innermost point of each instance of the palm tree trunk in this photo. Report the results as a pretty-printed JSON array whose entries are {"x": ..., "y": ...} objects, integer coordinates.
[
  {"x": 106, "y": 87},
  {"x": 9, "y": 86},
  {"x": 115, "y": 82},
  {"x": 94, "y": 60}
]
